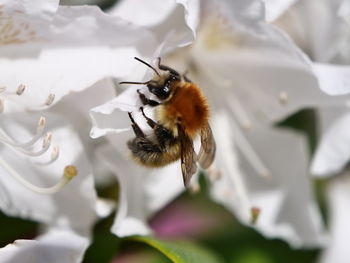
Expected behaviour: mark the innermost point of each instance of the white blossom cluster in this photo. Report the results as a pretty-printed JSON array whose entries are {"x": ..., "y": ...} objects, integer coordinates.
[{"x": 62, "y": 112}]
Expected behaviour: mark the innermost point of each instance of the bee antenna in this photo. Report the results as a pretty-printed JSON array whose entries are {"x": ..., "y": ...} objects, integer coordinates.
[
  {"x": 148, "y": 65},
  {"x": 133, "y": 82}
]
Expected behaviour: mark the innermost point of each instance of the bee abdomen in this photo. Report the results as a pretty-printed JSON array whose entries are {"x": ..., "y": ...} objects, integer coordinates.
[{"x": 149, "y": 154}]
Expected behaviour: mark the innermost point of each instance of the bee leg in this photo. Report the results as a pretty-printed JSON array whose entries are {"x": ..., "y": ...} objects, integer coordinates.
[
  {"x": 142, "y": 146},
  {"x": 137, "y": 130},
  {"x": 162, "y": 134},
  {"x": 166, "y": 68},
  {"x": 185, "y": 77},
  {"x": 150, "y": 122},
  {"x": 147, "y": 101}
]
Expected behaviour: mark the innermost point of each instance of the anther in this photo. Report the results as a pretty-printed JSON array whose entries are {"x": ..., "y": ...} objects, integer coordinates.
[
  {"x": 283, "y": 97},
  {"x": 254, "y": 215},
  {"x": 214, "y": 174},
  {"x": 247, "y": 125},
  {"x": 41, "y": 124},
  {"x": 265, "y": 174},
  {"x": 55, "y": 153},
  {"x": 194, "y": 188},
  {"x": 50, "y": 99},
  {"x": 70, "y": 171},
  {"x": 47, "y": 140},
  {"x": 20, "y": 89}
]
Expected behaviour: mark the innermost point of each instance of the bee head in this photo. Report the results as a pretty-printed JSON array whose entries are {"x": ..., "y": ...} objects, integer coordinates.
[
  {"x": 162, "y": 84},
  {"x": 162, "y": 87}
]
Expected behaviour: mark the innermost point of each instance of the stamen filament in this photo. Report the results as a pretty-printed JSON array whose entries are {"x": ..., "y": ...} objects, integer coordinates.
[
  {"x": 240, "y": 114},
  {"x": 227, "y": 147},
  {"x": 5, "y": 138},
  {"x": 54, "y": 156},
  {"x": 69, "y": 173},
  {"x": 248, "y": 151},
  {"x": 45, "y": 147}
]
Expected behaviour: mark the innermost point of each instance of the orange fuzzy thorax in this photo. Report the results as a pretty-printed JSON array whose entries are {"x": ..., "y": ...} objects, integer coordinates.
[{"x": 187, "y": 107}]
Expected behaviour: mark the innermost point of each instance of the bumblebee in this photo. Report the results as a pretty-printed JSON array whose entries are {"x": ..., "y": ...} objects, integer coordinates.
[{"x": 181, "y": 113}]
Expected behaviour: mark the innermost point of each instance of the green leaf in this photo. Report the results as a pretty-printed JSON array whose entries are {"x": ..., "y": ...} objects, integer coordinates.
[{"x": 179, "y": 252}]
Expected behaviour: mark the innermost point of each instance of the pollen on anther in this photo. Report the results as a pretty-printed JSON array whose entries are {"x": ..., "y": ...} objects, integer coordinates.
[
  {"x": 20, "y": 89},
  {"x": 214, "y": 174},
  {"x": 247, "y": 125},
  {"x": 55, "y": 152},
  {"x": 41, "y": 123},
  {"x": 194, "y": 188},
  {"x": 283, "y": 97},
  {"x": 50, "y": 99},
  {"x": 70, "y": 171},
  {"x": 254, "y": 215},
  {"x": 47, "y": 140}
]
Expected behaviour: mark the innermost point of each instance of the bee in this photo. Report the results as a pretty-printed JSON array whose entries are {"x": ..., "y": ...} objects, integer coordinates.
[{"x": 181, "y": 113}]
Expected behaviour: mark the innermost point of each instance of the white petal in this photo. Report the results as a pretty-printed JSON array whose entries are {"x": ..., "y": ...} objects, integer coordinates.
[
  {"x": 275, "y": 8},
  {"x": 338, "y": 196},
  {"x": 55, "y": 247},
  {"x": 173, "y": 20},
  {"x": 323, "y": 40},
  {"x": 79, "y": 46},
  {"x": 285, "y": 200},
  {"x": 333, "y": 152},
  {"x": 143, "y": 191},
  {"x": 112, "y": 116},
  {"x": 333, "y": 79}
]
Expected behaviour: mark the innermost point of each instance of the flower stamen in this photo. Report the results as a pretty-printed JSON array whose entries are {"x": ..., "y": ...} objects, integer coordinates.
[
  {"x": 54, "y": 156},
  {"x": 69, "y": 172},
  {"x": 240, "y": 114},
  {"x": 45, "y": 146},
  {"x": 255, "y": 213},
  {"x": 283, "y": 97},
  {"x": 5, "y": 138},
  {"x": 20, "y": 89},
  {"x": 50, "y": 99},
  {"x": 247, "y": 150}
]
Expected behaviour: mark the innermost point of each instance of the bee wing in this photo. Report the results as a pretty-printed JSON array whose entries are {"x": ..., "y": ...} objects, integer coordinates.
[
  {"x": 188, "y": 156},
  {"x": 208, "y": 147}
]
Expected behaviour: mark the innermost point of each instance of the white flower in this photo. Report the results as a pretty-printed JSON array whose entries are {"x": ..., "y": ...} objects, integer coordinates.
[
  {"x": 56, "y": 246},
  {"x": 326, "y": 40},
  {"x": 338, "y": 201},
  {"x": 252, "y": 76}
]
